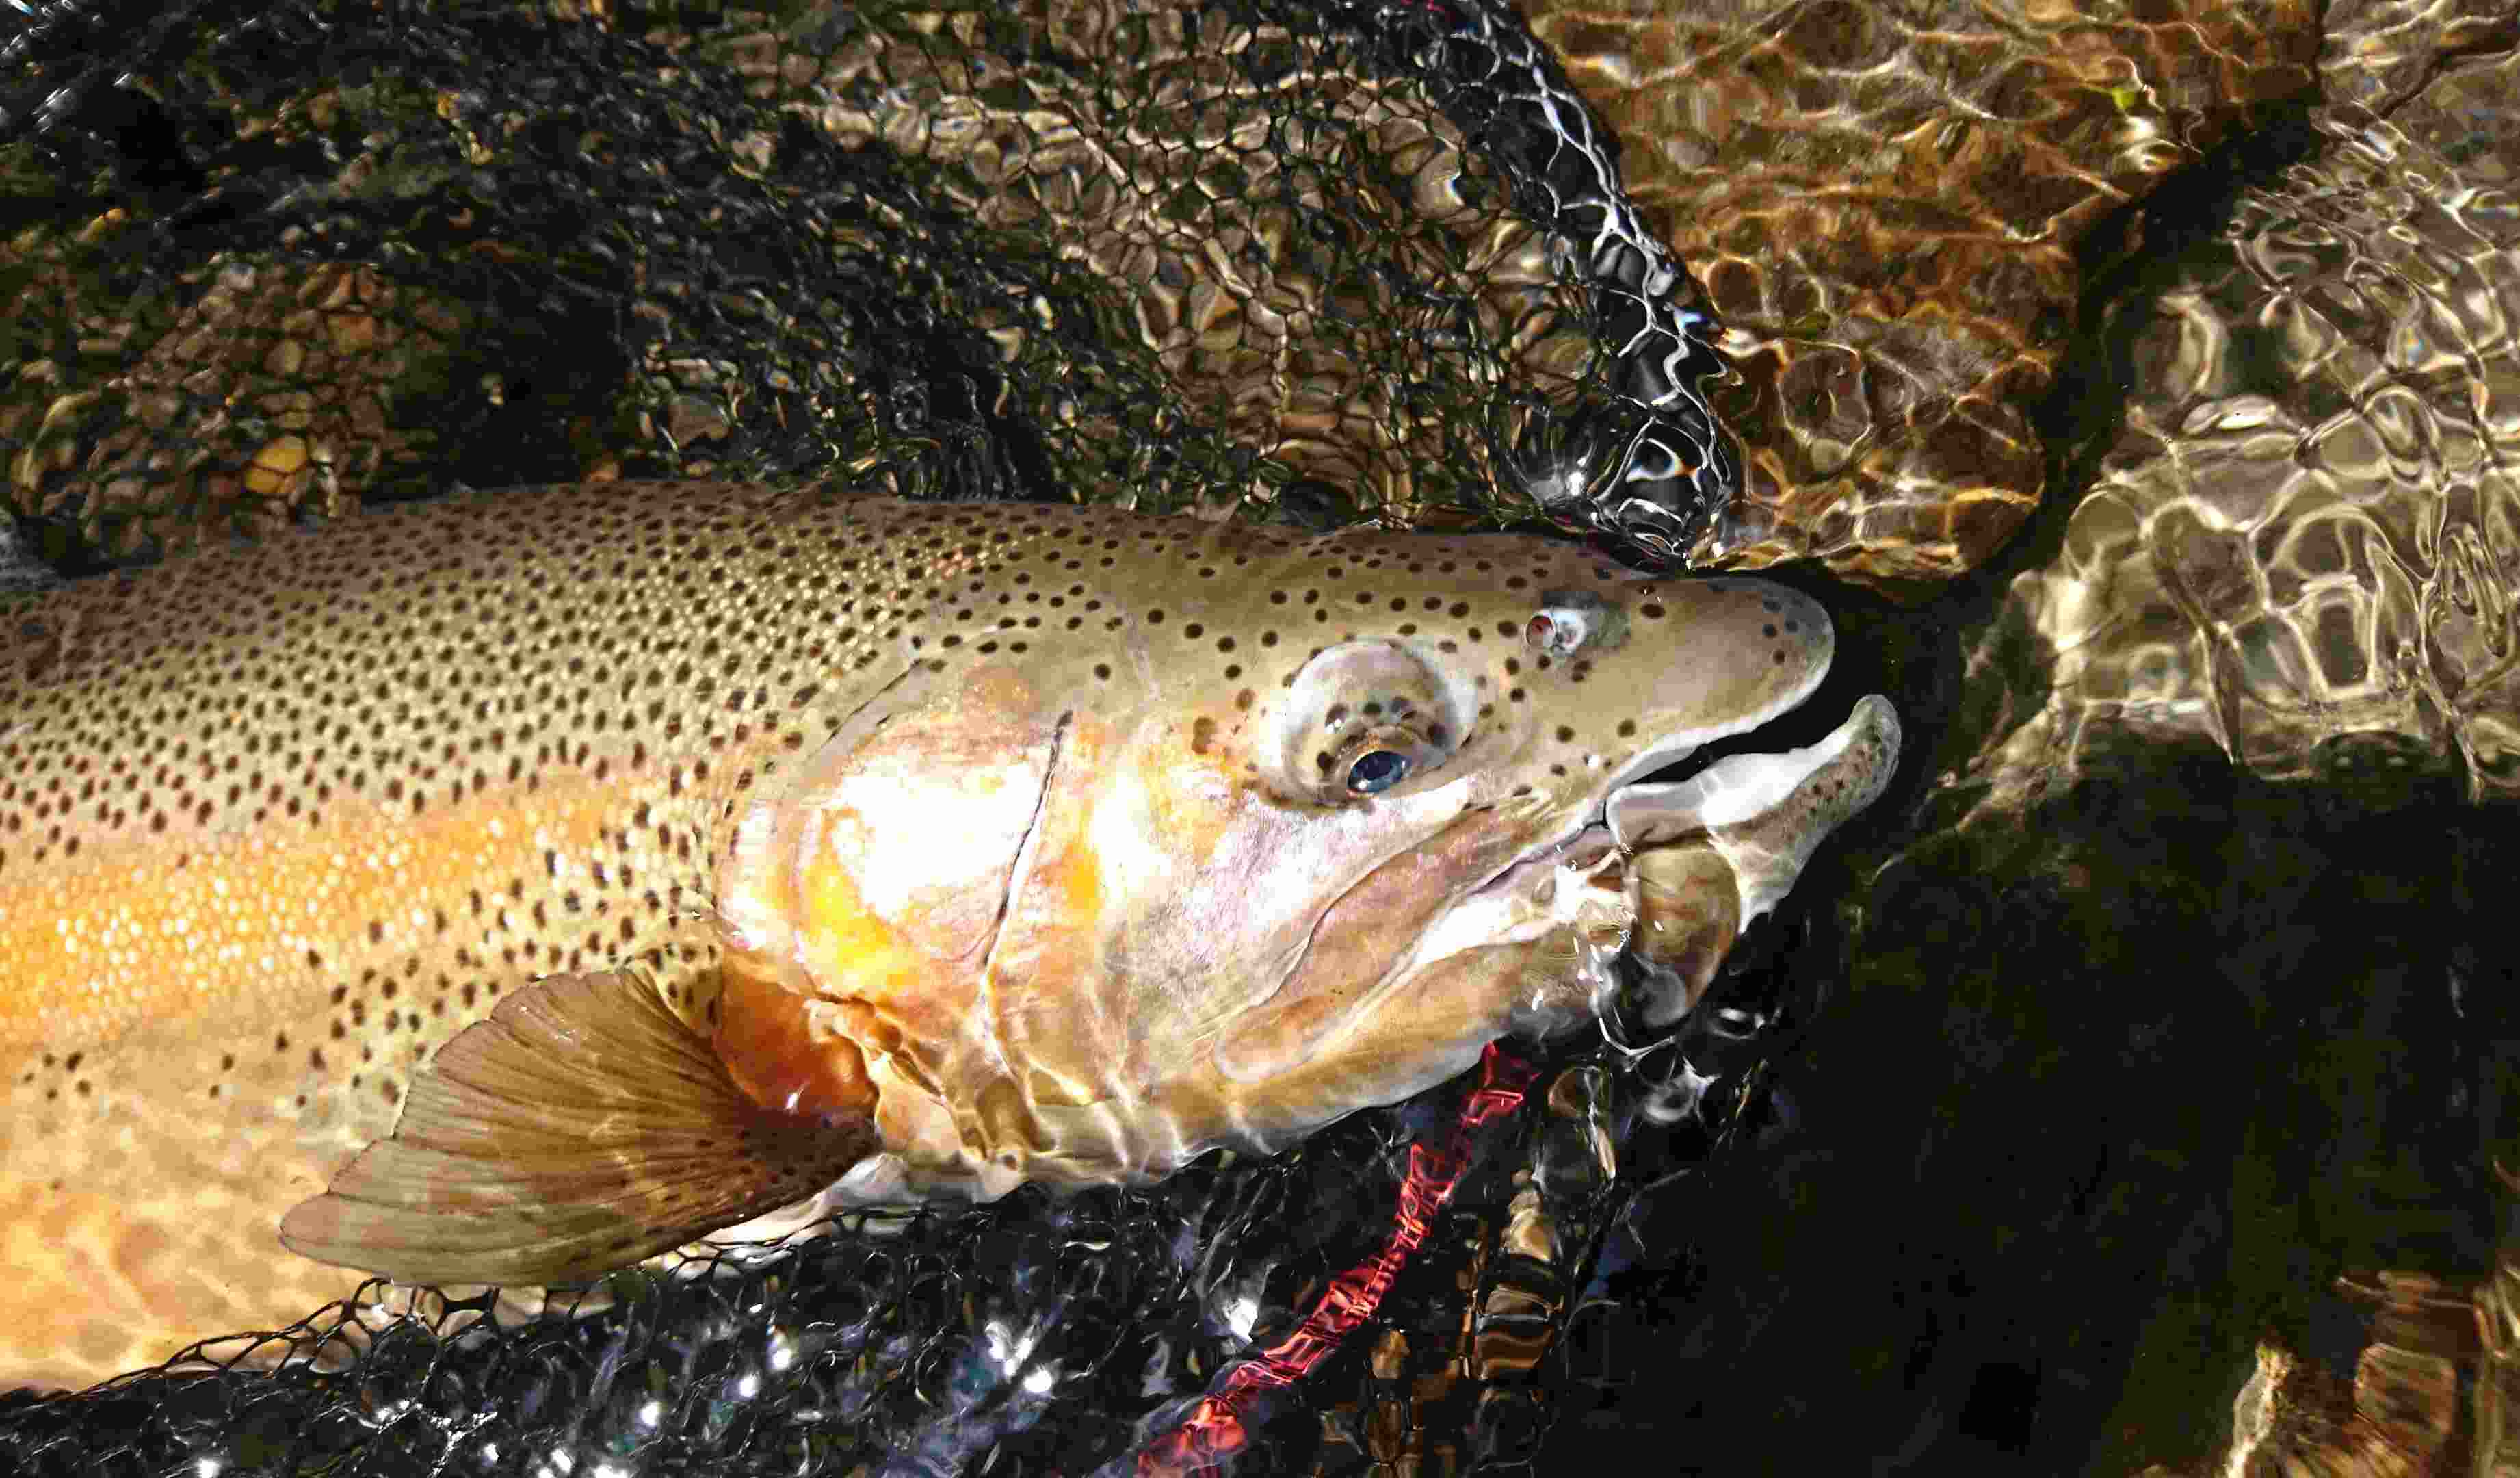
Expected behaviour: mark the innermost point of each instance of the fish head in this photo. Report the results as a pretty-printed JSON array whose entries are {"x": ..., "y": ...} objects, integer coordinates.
[{"x": 1301, "y": 833}]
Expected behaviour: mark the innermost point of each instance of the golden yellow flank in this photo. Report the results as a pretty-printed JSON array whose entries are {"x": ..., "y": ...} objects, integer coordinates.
[{"x": 277, "y": 821}]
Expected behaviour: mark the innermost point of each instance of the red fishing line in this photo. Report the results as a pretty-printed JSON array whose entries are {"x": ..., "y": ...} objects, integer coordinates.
[{"x": 1214, "y": 1429}]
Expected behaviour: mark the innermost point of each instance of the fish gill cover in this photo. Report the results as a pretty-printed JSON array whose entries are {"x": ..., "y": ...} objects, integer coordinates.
[{"x": 1314, "y": 263}]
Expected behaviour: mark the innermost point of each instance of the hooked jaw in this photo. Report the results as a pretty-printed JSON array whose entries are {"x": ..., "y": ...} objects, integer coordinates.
[
  {"x": 1704, "y": 855},
  {"x": 1767, "y": 814},
  {"x": 1770, "y": 647},
  {"x": 1693, "y": 862}
]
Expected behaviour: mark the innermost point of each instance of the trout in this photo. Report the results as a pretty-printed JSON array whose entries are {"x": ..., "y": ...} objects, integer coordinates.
[{"x": 504, "y": 890}]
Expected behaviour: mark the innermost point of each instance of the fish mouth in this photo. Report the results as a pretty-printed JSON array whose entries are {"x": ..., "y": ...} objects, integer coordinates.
[
  {"x": 1797, "y": 729},
  {"x": 1664, "y": 866},
  {"x": 1677, "y": 848},
  {"x": 1748, "y": 773},
  {"x": 1790, "y": 727}
]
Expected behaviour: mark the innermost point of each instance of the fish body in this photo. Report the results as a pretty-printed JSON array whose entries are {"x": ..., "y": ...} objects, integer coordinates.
[{"x": 562, "y": 875}]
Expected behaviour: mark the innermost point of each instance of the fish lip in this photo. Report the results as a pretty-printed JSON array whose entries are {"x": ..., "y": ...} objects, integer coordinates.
[{"x": 1675, "y": 747}]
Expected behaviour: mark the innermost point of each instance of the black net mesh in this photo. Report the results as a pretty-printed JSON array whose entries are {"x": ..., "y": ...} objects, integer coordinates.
[
  {"x": 1326, "y": 262},
  {"x": 1346, "y": 260},
  {"x": 1045, "y": 1334}
]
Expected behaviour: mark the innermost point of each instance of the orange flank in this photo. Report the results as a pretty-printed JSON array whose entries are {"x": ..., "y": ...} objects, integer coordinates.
[
  {"x": 134, "y": 929},
  {"x": 196, "y": 1031}
]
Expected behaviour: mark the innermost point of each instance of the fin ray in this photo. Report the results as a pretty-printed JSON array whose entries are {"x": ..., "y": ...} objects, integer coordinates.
[{"x": 580, "y": 1128}]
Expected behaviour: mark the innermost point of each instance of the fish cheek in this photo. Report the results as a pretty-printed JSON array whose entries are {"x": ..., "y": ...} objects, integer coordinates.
[
  {"x": 926, "y": 823},
  {"x": 1361, "y": 936},
  {"x": 887, "y": 864},
  {"x": 867, "y": 923},
  {"x": 1412, "y": 1038},
  {"x": 1079, "y": 978}
]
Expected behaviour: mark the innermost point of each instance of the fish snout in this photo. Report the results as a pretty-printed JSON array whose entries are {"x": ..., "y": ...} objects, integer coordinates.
[
  {"x": 1791, "y": 631},
  {"x": 1706, "y": 658}
]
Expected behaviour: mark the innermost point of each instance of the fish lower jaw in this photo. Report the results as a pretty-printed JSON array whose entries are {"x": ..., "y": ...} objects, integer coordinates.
[
  {"x": 1766, "y": 814},
  {"x": 1693, "y": 862}
]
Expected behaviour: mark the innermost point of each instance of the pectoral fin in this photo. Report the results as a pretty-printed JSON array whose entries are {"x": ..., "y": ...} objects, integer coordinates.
[{"x": 580, "y": 1128}]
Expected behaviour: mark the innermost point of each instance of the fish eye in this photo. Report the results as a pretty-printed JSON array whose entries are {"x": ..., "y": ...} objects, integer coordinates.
[
  {"x": 1377, "y": 770},
  {"x": 1360, "y": 719},
  {"x": 1371, "y": 761}
]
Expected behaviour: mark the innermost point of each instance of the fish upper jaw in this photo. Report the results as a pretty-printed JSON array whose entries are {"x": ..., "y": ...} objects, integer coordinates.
[
  {"x": 1676, "y": 744},
  {"x": 1817, "y": 652}
]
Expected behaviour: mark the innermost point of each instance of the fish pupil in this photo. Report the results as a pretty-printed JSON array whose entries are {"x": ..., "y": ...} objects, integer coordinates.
[{"x": 1377, "y": 770}]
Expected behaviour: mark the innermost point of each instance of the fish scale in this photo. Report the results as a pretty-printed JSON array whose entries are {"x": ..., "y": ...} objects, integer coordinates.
[{"x": 278, "y": 821}]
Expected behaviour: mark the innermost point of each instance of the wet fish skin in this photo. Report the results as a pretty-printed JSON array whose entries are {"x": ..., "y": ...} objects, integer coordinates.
[{"x": 277, "y": 823}]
